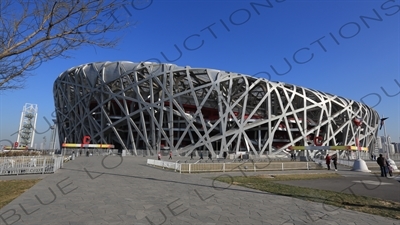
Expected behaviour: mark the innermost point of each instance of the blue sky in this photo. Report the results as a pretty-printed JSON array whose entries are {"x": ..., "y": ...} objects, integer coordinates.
[{"x": 330, "y": 46}]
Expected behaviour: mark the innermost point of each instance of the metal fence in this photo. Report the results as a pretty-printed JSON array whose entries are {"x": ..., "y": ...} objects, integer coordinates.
[
  {"x": 29, "y": 165},
  {"x": 371, "y": 164},
  {"x": 83, "y": 151},
  {"x": 95, "y": 151},
  {"x": 164, "y": 164},
  {"x": 248, "y": 166}
]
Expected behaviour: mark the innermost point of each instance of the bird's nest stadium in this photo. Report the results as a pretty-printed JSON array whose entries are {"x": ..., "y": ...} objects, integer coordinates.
[{"x": 164, "y": 107}]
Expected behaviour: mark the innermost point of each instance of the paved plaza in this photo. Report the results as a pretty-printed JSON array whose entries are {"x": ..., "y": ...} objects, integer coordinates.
[{"x": 116, "y": 190}]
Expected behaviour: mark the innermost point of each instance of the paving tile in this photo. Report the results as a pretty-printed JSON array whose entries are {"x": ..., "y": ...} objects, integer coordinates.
[{"x": 132, "y": 192}]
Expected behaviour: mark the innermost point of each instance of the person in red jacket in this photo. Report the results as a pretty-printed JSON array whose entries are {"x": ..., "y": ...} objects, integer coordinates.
[{"x": 328, "y": 161}]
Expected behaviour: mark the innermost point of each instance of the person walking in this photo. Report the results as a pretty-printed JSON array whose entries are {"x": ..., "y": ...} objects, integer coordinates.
[
  {"x": 382, "y": 164},
  {"x": 334, "y": 159},
  {"x": 209, "y": 156},
  {"x": 389, "y": 168},
  {"x": 191, "y": 155},
  {"x": 159, "y": 156},
  {"x": 170, "y": 154},
  {"x": 328, "y": 161},
  {"x": 201, "y": 155}
]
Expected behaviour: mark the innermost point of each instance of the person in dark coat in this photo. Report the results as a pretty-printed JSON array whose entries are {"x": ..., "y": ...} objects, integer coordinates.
[
  {"x": 201, "y": 155},
  {"x": 382, "y": 164},
  {"x": 334, "y": 159},
  {"x": 328, "y": 161}
]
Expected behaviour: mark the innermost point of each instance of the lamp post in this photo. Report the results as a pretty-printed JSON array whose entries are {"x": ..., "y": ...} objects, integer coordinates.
[
  {"x": 359, "y": 164},
  {"x": 388, "y": 147},
  {"x": 358, "y": 142},
  {"x": 44, "y": 145},
  {"x": 53, "y": 137},
  {"x": 387, "y": 144}
]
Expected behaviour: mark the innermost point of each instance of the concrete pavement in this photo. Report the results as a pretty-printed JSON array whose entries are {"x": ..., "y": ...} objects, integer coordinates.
[{"x": 115, "y": 190}]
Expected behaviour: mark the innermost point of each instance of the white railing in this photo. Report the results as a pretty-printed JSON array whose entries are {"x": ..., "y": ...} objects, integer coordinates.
[
  {"x": 370, "y": 163},
  {"x": 29, "y": 165},
  {"x": 164, "y": 164},
  {"x": 343, "y": 162},
  {"x": 231, "y": 167}
]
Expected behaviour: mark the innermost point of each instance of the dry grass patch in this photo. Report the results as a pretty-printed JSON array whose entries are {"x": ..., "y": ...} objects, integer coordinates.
[
  {"x": 335, "y": 200},
  {"x": 284, "y": 177},
  {"x": 11, "y": 189}
]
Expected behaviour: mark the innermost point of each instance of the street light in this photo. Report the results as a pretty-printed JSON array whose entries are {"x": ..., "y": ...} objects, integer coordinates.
[
  {"x": 53, "y": 136},
  {"x": 358, "y": 122},
  {"x": 359, "y": 164},
  {"x": 389, "y": 145},
  {"x": 387, "y": 139}
]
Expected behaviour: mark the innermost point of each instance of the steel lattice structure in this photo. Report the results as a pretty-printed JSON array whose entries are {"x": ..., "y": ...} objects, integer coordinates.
[
  {"x": 151, "y": 106},
  {"x": 27, "y": 125}
]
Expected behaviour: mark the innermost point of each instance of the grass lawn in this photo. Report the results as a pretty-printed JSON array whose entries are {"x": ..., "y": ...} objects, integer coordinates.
[
  {"x": 342, "y": 200},
  {"x": 11, "y": 189}
]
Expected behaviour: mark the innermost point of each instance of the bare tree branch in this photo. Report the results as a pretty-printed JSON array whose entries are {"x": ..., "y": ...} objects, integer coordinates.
[{"x": 36, "y": 31}]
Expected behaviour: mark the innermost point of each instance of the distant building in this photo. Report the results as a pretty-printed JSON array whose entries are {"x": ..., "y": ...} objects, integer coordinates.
[
  {"x": 396, "y": 147},
  {"x": 378, "y": 145},
  {"x": 391, "y": 149},
  {"x": 382, "y": 142},
  {"x": 379, "y": 141}
]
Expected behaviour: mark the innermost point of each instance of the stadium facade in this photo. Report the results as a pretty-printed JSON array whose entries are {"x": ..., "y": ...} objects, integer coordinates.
[{"x": 156, "y": 107}]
